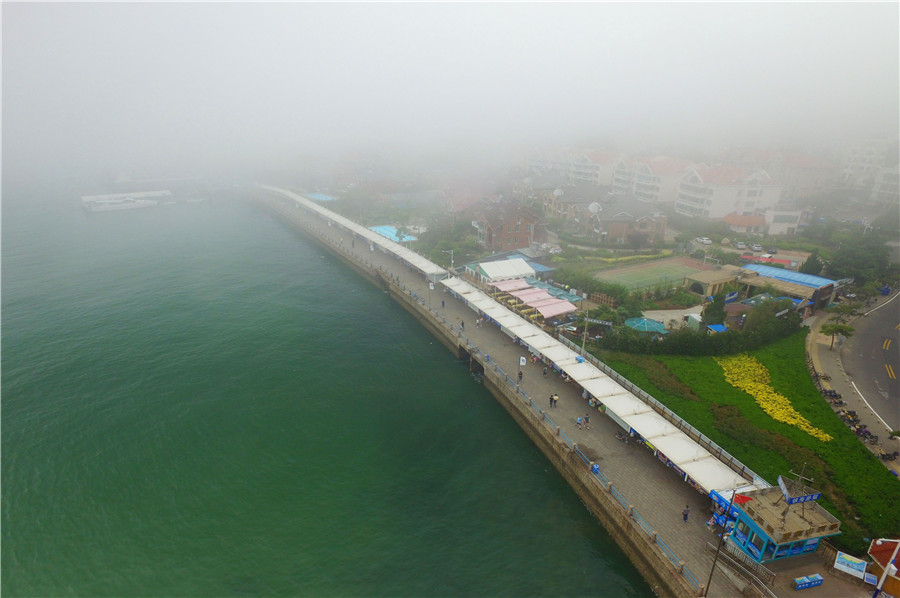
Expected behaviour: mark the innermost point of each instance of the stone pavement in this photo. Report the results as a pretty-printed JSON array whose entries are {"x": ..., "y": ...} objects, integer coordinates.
[
  {"x": 654, "y": 490},
  {"x": 826, "y": 361}
]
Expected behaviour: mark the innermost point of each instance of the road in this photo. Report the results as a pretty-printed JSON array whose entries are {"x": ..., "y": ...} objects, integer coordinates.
[{"x": 871, "y": 357}]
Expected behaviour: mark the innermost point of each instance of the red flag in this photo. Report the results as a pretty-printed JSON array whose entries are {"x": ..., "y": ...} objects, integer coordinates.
[{"x": 740, "y": 499}]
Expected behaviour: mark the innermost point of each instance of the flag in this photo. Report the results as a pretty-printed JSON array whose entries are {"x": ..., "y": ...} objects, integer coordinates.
[
  {"x": 431, "y": 286},
  {"x": 740, "y": 499},
  {"x": 522, "y": 361}
]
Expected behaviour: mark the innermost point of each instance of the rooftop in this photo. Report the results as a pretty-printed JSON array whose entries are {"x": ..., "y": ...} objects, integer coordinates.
[{"x": 786, "y": 523}]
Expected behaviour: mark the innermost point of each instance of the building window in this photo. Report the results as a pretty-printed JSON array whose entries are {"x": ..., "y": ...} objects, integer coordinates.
[
  {"x": 509, "y": 241},
  {"x": 517, "y": 227},
  {"x": 517, "y": 241},
  {"x": 527, "y": 228},
  {"x": 509, "y": 228}
]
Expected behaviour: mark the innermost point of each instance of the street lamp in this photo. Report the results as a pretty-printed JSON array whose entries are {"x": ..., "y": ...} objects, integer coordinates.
[
  {"x": 889, "y": 567},
  {"x": 450, "y": 251}
]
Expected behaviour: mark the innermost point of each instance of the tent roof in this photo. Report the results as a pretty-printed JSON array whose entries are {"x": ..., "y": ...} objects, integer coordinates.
[
  {"x": 505, "y": 269},
  {"x": 559, "y": 354},
  {"x": 679, "y": 448},
  {"x": 712, "y": 474},
  {"x": 511, "y": 285},
  {"x": 624, "y": 403},
  {"x": 582, "y": 372},
  {"x": 601, "y": 387},
  {"x": 557, "y": 309},
  {"x": 650, "y": 424}
]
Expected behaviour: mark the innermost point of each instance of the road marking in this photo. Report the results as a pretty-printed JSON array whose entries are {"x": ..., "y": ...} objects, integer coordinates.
[
  {"x": 890, "y": 371},
  {"x": 886, "y": 344}
]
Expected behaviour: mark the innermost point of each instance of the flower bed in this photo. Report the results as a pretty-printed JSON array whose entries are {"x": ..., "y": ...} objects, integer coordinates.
[{"x": 746, "y": 373}]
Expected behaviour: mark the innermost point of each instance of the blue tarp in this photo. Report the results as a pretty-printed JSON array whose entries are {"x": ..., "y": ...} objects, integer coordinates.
[
  {"x": 718, "y": 328},
  {"x": 807, "y": 280},
  {"x": 391, "y": 233}
]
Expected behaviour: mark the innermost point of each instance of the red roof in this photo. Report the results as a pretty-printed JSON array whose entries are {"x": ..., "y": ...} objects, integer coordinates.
[
  {"x": 882, "y": 553},
  {"x": 744, "y": 220},
  {"x": 722, "y": 175},
  {"x": 663, "y": 164}
]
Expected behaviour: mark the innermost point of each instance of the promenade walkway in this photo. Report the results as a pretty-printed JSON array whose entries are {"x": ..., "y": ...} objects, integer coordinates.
[{"x": 652, "y": 488}]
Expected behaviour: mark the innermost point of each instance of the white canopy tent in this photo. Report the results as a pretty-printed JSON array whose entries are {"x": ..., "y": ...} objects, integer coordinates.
[
  {"x": 582, "y": 372},
  {"x": 650, "y": 424},
  {"x": 601, "y": 387},
  {"x": 560, "y": 354},
  {"x": 712, "y": 474},
  {"x": 504, "y": 270},
  {"x": 624, "y": 404},
  {"x": 679, "y": 448}
]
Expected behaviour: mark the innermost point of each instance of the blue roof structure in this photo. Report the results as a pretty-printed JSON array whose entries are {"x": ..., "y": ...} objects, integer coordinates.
[
  {"x": 391, "y": 233},
  {"x": 718, "y": 328},
  {"x": 319, "y": 197},
  {"x": 807, "y": 280}
]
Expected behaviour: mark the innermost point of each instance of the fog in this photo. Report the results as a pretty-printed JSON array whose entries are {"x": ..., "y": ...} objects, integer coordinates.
[{"x": 167, "y": 87}]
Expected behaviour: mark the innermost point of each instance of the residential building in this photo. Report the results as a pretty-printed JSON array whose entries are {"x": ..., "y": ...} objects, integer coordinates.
[
  {"x": 504, "y": 226},
  {"x": 652, "y": 179},
  {"x": 617, "y": 220},
  {"x": 745, "y": 223},
  {"x": 886, "y": 187},
  {"x": 714, "y": 192},
  {"x": 783, "y": 219}
]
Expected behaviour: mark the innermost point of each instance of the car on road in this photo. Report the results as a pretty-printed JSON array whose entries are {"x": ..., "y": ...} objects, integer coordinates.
[
  {"x": 740, "y": 245},
  {"x": 772, "y": 250},
  {"x": 756, "y": 247}
]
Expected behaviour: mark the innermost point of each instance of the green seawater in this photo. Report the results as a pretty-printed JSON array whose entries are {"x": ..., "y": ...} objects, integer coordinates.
[{"x": 199, "y": 401}]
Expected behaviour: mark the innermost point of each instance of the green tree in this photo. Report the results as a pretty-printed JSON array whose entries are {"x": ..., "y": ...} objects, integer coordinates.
[
  {"x": 714, "y": 313},
  {"x": 860, "y": 257},
  {"x": 813, "y": 264},
  {"x": 834, "y": 328},
  {"x": 844, "y": 311}
]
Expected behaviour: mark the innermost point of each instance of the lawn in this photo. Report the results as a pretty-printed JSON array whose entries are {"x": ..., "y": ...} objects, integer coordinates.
[{"x": 855, "y": 486}]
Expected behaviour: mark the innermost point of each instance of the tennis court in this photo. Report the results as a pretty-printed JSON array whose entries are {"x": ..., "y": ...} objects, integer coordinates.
[{"x": 654, "y": 274}]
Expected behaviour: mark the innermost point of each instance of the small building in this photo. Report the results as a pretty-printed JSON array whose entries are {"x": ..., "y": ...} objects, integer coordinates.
[
  {"x": 881, "y": 552},
  {"x": 487, "y": 272},
  {"x": 506, "y": 226},
  {"x": 710, "y": 282},
  {"x": 778, "y": 522}
]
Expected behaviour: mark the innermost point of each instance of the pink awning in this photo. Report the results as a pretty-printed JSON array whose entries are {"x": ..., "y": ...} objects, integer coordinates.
[
  {"x": 558, "y": 309},
  {"x": 529, "y": 294},
  {"x": 512, "y": 285}
]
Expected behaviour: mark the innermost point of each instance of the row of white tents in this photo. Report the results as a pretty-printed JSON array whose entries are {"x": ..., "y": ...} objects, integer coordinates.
[{"x": 633, "y": 414}]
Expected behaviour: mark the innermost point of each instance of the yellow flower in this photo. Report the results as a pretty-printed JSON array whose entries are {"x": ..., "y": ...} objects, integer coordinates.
[{"x": 746, "y": 373}]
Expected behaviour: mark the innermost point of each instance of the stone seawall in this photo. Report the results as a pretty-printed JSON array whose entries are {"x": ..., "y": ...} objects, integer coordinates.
[{"x": 656, "y": 568}]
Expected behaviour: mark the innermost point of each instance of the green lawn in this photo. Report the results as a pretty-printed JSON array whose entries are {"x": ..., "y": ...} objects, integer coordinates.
[{"x": 856, "y": 487}]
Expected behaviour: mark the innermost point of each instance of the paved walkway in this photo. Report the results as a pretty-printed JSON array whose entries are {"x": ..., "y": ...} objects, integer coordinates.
[
  {"x": 827, "y": 361},
  {"x": 654, "y": 490}
]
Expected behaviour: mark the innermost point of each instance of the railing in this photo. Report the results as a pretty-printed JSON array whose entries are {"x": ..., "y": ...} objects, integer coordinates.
[
  {"x": 596, "y": 474},
  {"x": 672, "y": 417},
  {"x": 763, "y": 576}
]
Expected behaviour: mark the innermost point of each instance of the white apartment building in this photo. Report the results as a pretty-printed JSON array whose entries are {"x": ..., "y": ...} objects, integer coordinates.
[
  {"x": 862, "y": 160},
  {"x": 654, "y": 179},
  {"x": 714, "y": 192}
]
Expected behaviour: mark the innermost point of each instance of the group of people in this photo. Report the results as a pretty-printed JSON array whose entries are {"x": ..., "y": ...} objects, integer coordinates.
[
  {"x": 584, "y": 422},
  {"x": 554, "y": 399}
]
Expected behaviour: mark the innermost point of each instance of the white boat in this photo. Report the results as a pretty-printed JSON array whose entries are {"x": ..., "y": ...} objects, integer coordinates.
[{"x": 124, "y": 201}]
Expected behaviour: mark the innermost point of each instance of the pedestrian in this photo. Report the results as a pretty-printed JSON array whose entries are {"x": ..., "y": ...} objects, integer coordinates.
[
  {"x": 685, "y": 512},
  {"x": 578, "y": 422},
  {"x": 520, "y": 375},
  {"x": 545, "y": 371},
  {"x": 555, "y": 399},
  {"x": 442, "y": 303},
  {"x": 551, "y": 401},
  {"x": 462, "y": 325},
  {"x": 587, "y": 421}
]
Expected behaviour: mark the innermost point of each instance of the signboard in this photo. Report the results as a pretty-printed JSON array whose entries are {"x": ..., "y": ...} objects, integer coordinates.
[
  {"x": 731, "y": 297},
  {"x": 602, "y": 322},
  {"x": 871, "y": 578},
  {"x": 850, "y": 564},
  {"x": 792, "y": 500}
]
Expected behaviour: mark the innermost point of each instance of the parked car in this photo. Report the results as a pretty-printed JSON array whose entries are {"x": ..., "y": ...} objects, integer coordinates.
[
  {"x": 772, "y": 250},
  {"x": 756, "y": 247},
  {"x": 704, "y": 240},
  {"x": 740, "y": 245}
]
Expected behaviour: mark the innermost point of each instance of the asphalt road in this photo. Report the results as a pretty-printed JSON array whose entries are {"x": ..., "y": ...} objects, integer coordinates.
[{"x": 872, "y": 359}]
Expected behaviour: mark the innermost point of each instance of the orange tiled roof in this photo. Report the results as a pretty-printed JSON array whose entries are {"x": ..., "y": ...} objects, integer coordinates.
[
  {"x": 744, "y": 220},
  {"x": 722, "y": 175}
]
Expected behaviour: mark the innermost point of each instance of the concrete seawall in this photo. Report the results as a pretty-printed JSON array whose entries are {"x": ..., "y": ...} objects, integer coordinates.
[{"x": 651, "y": 557}]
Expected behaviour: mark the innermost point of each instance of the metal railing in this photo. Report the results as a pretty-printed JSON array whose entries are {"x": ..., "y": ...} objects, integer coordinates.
[{"x": 672, "y": 417}]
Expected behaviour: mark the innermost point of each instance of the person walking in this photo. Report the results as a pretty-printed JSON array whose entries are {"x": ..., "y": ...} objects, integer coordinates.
[
  {"x": 578, "y": 422},
  {"x": 545, "y": 371},
  {"x": 520, "y": 375},
  {"x": 442, "y": 303},
  {"x": 685, "y": 512},
  {"x": 462, "y": 325},
  {"x": 587, "y": 421},
  {"x": 555, "y": 399}
]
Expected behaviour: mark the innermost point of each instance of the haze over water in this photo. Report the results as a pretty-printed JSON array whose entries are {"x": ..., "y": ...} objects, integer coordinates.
[{"x": 199, "y": 401}]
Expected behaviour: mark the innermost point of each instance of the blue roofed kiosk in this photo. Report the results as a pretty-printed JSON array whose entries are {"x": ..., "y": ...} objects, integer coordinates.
[{"x": 778, "y": 522}]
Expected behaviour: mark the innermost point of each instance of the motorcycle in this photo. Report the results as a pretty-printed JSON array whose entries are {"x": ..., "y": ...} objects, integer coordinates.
[
  {"x": 889, "y": 456},
  {"x": 621, "y": 436}
]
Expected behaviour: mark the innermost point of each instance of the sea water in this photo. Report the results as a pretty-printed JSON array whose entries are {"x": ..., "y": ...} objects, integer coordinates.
[{"x": 199, "y": 401}]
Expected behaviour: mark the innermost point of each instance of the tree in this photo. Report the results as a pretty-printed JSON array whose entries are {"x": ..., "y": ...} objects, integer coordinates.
[
  {"x": 844, "y": 311},
  {"x": 861, "y": 257},
  {"x": 834, "y": 328},
  {"x": 714, "y": 313},
  {"x": 813, "y": 264}
]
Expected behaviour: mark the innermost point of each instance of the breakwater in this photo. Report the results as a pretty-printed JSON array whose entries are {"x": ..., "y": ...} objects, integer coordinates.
[{"x": 574, "y": 457}]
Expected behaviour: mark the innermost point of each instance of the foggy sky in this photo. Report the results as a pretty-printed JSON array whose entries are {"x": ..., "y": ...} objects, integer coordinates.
[{"x": 191, "y": 86}]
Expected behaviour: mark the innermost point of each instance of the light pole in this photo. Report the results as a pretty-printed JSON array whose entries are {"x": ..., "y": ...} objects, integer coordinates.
[
  {"x": 889, "y": 566},
  {"x": 450, "y": 251}
]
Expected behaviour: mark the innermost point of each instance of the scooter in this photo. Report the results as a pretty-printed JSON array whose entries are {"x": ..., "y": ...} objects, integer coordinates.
[
  {"x": 621, "y": 436},
  {"x": 889, "y": 456}
]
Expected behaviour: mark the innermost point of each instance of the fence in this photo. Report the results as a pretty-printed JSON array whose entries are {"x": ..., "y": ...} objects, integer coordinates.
[
  {"x": 759, "y": 580},
  {"x": 672, "y": 417},
  {"x": 595, "y": 473}
]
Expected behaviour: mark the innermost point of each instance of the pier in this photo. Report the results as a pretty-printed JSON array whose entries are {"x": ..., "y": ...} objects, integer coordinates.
[{"x": 636, "y": 497}]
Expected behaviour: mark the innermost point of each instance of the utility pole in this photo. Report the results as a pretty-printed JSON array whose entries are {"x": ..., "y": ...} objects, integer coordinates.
[{"x": 450, "y": 251}]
